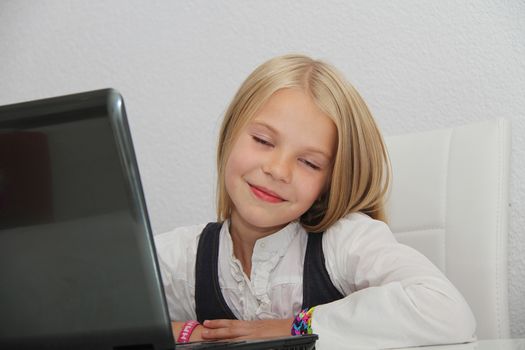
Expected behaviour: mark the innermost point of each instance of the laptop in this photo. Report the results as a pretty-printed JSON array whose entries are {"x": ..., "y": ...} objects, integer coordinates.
[{"x": 78, "y": 267}]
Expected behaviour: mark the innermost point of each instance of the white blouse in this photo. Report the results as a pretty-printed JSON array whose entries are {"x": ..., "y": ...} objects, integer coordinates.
[{"x": 395, "y": 297}]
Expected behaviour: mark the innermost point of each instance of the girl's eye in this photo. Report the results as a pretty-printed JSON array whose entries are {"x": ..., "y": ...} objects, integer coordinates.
[
  {"x": 261, "y": 141},
  {"x": 310, "y": 164}
]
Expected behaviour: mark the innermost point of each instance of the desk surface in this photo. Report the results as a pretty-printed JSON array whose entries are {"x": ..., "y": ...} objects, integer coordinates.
[{"x": 492, "y": 344}]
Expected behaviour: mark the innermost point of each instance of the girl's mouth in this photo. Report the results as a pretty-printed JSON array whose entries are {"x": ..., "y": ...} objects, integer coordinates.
[{"x": 265, "y": 195}]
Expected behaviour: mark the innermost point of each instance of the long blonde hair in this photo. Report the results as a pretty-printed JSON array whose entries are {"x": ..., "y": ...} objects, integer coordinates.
[{"x": 360, "y": 176}]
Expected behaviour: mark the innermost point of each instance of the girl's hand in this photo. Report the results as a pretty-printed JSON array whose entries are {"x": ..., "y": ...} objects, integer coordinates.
[{"x": 235, "y": 329}]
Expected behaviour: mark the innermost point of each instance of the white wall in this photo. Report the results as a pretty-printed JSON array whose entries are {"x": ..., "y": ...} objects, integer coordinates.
[{"x": 420, "y": 65}]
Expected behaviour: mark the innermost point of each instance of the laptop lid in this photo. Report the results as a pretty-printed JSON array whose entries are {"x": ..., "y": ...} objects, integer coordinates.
[{"x": 77, "y": 260}]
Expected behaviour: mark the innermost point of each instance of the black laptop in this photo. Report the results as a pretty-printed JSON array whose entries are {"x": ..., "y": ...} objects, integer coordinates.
[{"x": 78, "y": 268}]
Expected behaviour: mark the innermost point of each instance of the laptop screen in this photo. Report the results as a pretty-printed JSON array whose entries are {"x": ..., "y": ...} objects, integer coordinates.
[{"x": 77, "y": 262}]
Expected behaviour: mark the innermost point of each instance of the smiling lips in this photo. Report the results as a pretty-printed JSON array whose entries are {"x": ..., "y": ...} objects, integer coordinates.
[{"x": 265, "y": 194}]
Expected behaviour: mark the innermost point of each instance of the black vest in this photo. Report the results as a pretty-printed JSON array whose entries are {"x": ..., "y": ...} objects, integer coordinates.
[{"x": 209, "y": 301}]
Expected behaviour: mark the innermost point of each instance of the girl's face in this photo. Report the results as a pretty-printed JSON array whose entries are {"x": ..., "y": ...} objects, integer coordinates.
[{"x": 281, "y": 162}]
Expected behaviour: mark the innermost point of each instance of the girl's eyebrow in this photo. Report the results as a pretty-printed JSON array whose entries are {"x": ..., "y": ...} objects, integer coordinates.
[
  {"x": 319, "y": 152},
  {"x": 264, "y": 125},
  {"x": 275, "y": 132}
]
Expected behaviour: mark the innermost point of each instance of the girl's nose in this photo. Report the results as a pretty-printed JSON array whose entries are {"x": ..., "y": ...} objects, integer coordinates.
[{"x": 278, "y": 167}]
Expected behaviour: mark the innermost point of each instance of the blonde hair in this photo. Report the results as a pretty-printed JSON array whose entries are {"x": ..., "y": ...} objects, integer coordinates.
[{"x": 360, "y": 175}]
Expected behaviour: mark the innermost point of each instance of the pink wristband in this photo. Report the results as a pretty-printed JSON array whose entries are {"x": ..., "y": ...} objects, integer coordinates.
[{"x": 187, "y": 329}]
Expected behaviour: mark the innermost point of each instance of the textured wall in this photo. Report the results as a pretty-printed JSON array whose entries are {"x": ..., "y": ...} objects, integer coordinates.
[{"x": 420, "y": 65}]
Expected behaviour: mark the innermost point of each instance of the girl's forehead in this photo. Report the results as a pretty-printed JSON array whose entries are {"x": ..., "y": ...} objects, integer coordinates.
[{"x": 291, "y": 105}]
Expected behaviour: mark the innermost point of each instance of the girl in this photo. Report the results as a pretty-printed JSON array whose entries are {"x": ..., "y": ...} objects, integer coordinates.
[{"x": 301, "y": 243}]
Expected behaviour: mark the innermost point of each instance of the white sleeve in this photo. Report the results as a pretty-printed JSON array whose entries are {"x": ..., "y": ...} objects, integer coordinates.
[
  {"x": 395, "y": 296},
  {"x": 176, "y": 253}
]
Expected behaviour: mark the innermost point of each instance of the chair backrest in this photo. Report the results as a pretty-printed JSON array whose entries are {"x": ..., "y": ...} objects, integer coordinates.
[{"x": 449, "y": 200}]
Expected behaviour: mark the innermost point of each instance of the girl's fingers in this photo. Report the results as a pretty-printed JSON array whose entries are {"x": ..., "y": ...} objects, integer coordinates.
[
  {"x": 236, "y": 329},
  {"x": 217, "y": 323},
  {"x": 222, "y": 333}
]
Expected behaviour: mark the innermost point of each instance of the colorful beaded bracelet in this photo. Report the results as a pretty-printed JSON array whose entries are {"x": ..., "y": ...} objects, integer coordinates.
[{"x": 302, "y": 323}]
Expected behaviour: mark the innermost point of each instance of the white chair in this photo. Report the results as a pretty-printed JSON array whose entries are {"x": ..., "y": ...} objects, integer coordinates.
[{"x": 449, "y": 200}]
